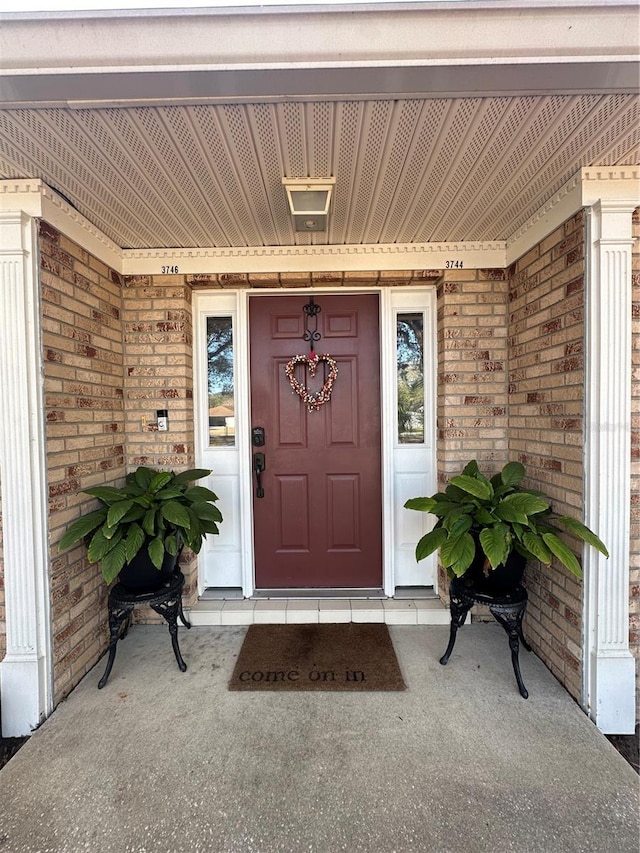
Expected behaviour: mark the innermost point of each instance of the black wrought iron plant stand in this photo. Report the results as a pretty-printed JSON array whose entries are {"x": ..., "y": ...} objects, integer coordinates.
[
  {"x": 165, "y": 600},
  {"x": 508, "y": 610}
]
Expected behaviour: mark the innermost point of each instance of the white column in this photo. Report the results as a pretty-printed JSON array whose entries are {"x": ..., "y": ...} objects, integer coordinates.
[
  {"x": 609, "y": 672},
  {"x": 26, "y": 671}
]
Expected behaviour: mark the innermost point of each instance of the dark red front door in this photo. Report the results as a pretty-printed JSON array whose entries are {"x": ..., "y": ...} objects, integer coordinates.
[{"x": 319, "y": 521}]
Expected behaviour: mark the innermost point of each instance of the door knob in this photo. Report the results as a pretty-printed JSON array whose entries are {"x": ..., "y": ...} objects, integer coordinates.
[{"x": 259, "y": 466}]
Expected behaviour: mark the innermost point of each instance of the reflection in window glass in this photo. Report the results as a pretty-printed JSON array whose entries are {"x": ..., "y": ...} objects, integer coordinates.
[
  {"x": 410, "y": 355},
  {"x": 222, "y": 425}
]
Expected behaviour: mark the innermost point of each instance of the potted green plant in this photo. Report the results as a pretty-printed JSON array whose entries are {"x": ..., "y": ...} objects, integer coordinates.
[
  {"x": 140, "y": 528},
  {"x": 487, "y": 529}
]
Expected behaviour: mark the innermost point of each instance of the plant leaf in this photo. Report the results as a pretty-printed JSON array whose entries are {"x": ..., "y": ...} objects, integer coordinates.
[
  {"x": 479, "y": 488},
  {"x": 176, "y": 514},
  {"x": 205, "y": 510},
  {"x": 442, "y": 508},
  {"x": 100, "y": 545},
  {"x": 107, "y": 494},
  {"x": 512, "y": 473},
  {"x": 159, "y": 480},
  {"x": 195, "y": 494},
  {"x": 458, "y": 553},
  {"x": 483, "y": 516},
  {"x": 117, "y": 511},
  {"x": 536, "y": 546},
  {"x": 81, "y": 527},
  {"x": 454, "y": 493},
  {"x": 169, "y": 493},
  {"x": 420, "y": 504},
  {"x": 518, "y": 506},
  {"x": 193, "y": 534},
  {"x": 495, "y": 546},
  {"x": 134, "y": 541},
  {"x": 190, "y": 476},
  {"x": 563, "y": 553},
  {"x": 156, "y": 552},
  {"x": 582, "y": 532},
  {"x": 113, "y": 562},
  {"x": 457, "y": 521},
  {"x": 149, "y": 522},
  {"x": 430, "y": 542},
  {"x": 143, "y": 477},
  {"x": 108, "y": 532},
  {"x": 171, "y": 545},
  {"x": 135, "y": 513}
]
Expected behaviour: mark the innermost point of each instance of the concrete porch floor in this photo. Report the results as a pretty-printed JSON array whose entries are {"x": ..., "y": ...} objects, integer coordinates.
[{"x": 165, "y": 762}]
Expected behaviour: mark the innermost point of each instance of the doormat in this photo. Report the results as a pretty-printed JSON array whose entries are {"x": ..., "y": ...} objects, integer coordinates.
[{"x": 345, "y": 656}]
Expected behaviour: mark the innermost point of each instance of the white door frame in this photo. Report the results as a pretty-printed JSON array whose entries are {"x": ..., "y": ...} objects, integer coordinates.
[{"x": 398, "y": 524}]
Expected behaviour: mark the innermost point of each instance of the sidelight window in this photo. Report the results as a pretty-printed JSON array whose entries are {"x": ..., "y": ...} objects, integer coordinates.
[
  {"x": 220, "y": 382},
  {"x": 410, "y": 377}
]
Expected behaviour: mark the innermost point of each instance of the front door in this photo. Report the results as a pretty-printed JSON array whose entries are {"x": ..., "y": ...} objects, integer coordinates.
[{"x": 318, "y": 512}]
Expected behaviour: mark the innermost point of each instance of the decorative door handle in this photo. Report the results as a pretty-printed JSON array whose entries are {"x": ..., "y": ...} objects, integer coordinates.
[{"x": 259, "y": 466}]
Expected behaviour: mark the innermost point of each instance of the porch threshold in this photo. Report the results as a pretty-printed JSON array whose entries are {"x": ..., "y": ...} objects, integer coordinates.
[
  {"x": 321, "y": 594},
  {"x": 249, "y": 611}
]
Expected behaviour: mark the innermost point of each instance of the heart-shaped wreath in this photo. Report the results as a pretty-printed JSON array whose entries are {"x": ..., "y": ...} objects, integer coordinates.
[{"x": 312, "y": 401}]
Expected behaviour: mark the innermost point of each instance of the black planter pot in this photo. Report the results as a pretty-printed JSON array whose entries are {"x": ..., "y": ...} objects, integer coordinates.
[
  {"x": 140, "y": 573},
  {"x": 497, "y": 582}
]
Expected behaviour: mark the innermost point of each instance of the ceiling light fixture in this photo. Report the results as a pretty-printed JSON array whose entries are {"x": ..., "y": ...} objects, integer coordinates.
[{"x": 309, "y": 200}]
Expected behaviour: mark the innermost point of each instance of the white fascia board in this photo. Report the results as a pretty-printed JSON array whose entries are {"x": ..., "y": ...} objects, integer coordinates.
[
  {"x": 161, "y": 86},
  {"x": 265, "y": 259},
  {"x": 285, "y": 36}
]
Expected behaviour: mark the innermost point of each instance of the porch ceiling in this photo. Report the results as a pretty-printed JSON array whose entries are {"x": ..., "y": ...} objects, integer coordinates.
[{"x": 418, "y": 155}]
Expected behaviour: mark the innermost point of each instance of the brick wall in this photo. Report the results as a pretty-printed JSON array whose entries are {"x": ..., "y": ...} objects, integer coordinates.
[
  {"x": 546, "y": 328},
  {"x": 83, "y": 362},
  {"x": 472, "y": 373},
  {"x": 634, "y": 561},
  {"x": 158, "y": 374}
]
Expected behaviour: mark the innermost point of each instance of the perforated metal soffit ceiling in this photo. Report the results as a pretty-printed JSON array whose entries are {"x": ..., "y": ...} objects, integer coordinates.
[{"x": 406, "y": 171}]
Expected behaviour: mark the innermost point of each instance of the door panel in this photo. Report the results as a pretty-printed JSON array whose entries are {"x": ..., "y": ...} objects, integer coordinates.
[
  {"x": 343, "y": 495},
  {"x": 291, "y": 511},
  {"x": 319, "y": 522}
]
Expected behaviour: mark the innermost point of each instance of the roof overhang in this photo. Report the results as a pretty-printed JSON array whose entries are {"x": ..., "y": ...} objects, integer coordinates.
[{"x": 428, "y": 49}]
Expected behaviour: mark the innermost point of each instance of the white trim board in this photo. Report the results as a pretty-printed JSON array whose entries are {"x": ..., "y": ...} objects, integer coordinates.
[
  {"x": 583, "y": 189},
  {"x": 26, "y": 673},
  {"x": 609, "y": 666}
]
